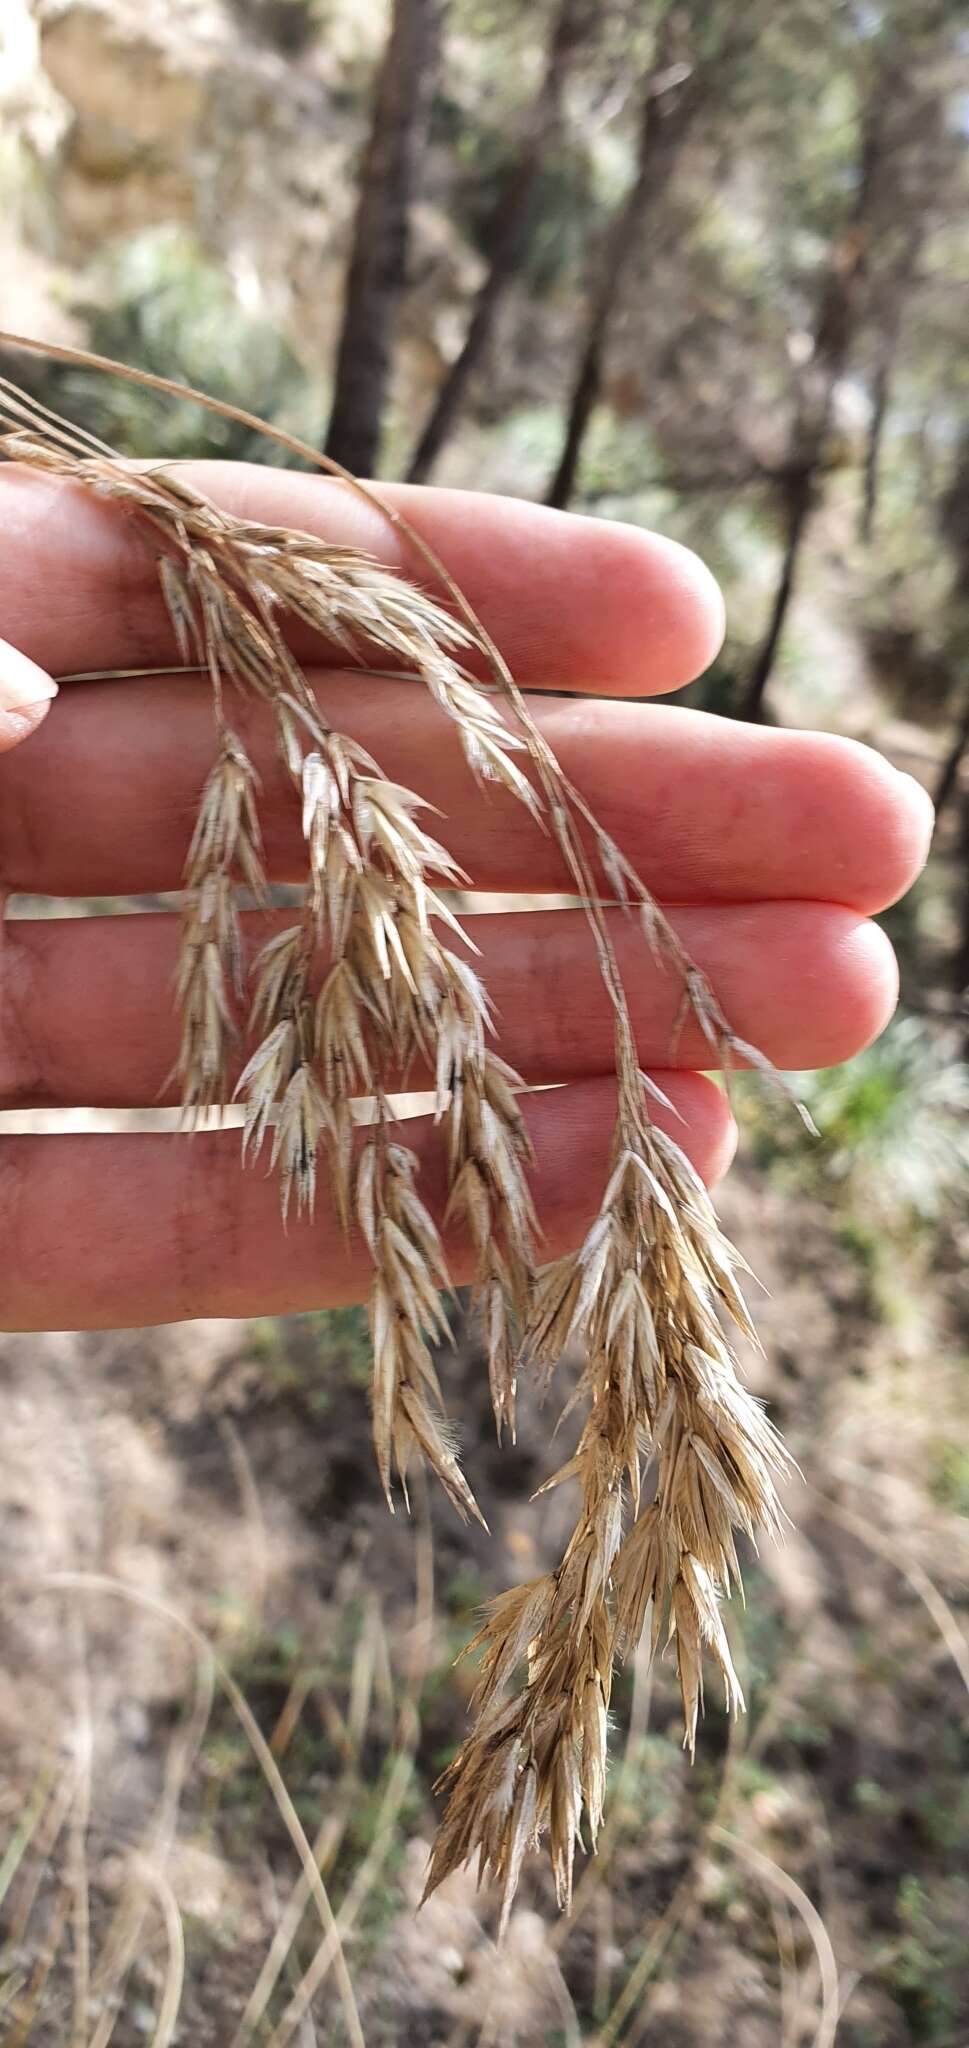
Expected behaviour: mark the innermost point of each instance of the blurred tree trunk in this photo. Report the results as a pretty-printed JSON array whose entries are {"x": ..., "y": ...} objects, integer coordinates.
[
  {"x": 894, "y": 298},
  {"x": 962, "y": 956},
  {"x": 377, "y": 272},
  {"x": 508, "y": 234},
  {"x": 799, "y": 492},
  {"x": 953, "y": 778},
  {"x": 949, "y": 772},
  {"x": 954, "y": 526},
  {"x": 879, "y": 409},
  {"x": 671, "y": 95},
  {"x": 834, "y": 330},
  {"x": 953, "y": 786},
  {"x": 925, "y": 457}
]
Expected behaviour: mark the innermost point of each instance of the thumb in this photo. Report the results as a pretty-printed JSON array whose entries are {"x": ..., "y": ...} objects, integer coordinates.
[{"x": 25, "y": 696}]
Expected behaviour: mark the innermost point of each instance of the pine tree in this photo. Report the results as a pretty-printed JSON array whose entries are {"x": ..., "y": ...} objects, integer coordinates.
[
  {"x": 378, "y": 269},
  {"x": 869, "y": 273},
  {"x": 508, "y": 234},
  {"x": 671, "y": 93}
]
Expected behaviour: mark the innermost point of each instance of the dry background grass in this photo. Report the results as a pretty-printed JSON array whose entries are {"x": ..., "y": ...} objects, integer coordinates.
[{"x": 225, "y": 1471}]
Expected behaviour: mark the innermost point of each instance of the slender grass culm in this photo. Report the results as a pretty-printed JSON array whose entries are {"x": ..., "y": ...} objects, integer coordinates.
[{"x": 650, "y": 1289}]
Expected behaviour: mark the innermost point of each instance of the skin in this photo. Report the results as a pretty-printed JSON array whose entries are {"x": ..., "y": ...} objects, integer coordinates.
[{"x": 772, "y": 850}]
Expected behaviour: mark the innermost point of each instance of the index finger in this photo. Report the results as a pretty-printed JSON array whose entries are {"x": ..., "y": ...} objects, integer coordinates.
[{"x": 573, "y": 603}]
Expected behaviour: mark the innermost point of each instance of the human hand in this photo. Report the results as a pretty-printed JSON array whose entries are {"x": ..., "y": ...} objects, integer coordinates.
[{"x": 774, "y": 846}]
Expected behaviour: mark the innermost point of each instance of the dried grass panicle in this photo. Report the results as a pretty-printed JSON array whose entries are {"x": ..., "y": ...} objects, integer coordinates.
[
  {"x": 405, "y": 1308},
  {"x": 653, "y": 1284},
  {"x": 645, "y": 1291},
  {"x": 210, "y": 983}
]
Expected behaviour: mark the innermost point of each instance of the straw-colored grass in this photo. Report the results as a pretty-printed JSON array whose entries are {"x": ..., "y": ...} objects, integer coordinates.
[{"x": 651, "y": 1286}]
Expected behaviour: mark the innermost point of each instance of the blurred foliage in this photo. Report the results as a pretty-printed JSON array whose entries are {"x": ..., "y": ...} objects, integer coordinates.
[
  {"x": 292, "y": 26},
  {"x": 159, "y": 303},
  {"x": 950, "y": 1472},
  {"x": 894, "y": 1129},
  {"x": 932, "y": 1950},
  {"x": 307, "y": 1356}
]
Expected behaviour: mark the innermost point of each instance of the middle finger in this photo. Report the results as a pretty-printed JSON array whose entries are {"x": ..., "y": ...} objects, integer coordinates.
[{"x": 103, "y": 800}]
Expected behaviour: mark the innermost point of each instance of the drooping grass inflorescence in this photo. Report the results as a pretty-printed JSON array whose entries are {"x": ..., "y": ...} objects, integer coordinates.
[{"x": 372, "y": 978}]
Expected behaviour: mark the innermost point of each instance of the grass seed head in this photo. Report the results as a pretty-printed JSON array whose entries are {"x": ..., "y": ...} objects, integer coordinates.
[{"x": 344, "y": 1002}]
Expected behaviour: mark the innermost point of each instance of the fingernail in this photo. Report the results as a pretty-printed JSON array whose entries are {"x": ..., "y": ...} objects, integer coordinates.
[{"x": 22, "y": 683}]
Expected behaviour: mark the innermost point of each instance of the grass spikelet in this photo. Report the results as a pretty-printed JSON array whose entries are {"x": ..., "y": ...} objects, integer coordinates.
[{"x": 363, "y": 984}]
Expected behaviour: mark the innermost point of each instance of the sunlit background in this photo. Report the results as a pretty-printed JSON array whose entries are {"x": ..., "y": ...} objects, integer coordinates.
[{"x": 704, "y": 268}]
